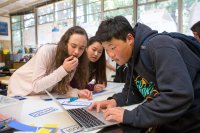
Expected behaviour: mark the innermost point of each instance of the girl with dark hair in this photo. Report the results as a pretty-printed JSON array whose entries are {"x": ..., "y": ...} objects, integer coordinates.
[
  {"x": 53, "y": 67},
  {"x": 97, "y": 66}
]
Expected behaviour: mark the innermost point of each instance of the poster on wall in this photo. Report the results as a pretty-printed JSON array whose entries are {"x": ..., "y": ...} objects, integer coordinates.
[{"x": 4, "y": 28}]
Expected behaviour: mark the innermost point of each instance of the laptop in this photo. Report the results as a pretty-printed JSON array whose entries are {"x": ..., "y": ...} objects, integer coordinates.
[{"x": 86, "y": 119}]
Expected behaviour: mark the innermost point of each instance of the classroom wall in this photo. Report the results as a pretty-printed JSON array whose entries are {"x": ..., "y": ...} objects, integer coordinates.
[{"x": 5, "y": 43}]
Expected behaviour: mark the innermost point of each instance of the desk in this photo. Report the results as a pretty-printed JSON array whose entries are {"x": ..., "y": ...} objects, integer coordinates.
[
  {"x": 4, "y": 80},
  {"x": 17, "y": 65},
  {"x": 35, "y": 103},
  {"x": 3, "y": 84},
  {"x": 6, "y": 73}
]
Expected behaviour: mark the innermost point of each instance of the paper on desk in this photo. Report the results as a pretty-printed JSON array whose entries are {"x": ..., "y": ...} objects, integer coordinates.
[
  {"x": 62, "y": 120},
  {"x": 19, "y": 126},
  {"x": 23, "y": 127},
  {"x": 46, "y": 97},
  {"x": 102, "y": 92},
  {"x": 66, "y": 102},
  {"x": 43, "y": 112}
]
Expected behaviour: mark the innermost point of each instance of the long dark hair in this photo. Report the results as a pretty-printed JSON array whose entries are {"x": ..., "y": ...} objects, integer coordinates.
[
  {"x": 81, "y": 74},
  {"x": 97, "y": 69}
]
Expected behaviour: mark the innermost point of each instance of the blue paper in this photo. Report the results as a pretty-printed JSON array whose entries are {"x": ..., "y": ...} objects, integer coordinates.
[{"x": 22, "y": 127}]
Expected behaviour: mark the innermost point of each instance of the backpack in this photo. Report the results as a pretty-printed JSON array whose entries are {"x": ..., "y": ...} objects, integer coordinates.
[{"x": 190, "y": 41}]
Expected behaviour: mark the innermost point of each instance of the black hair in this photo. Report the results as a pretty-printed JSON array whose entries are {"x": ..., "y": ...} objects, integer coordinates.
[
  {"x": 117, "y": 27},
  {"x": 92, "y": 40},
  {"x": 98, "y": 68},
  {"x": 196, "y": 28}
]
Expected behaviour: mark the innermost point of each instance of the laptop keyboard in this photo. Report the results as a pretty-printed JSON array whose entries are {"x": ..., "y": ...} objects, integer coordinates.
[{"x": 84, "y": 118}]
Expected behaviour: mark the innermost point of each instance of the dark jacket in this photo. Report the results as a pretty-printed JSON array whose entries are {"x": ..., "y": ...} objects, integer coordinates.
[{"x": 166, "y": 72}]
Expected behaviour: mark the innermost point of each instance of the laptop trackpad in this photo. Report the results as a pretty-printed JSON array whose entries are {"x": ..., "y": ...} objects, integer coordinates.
[{"x": 101, "y": 117}]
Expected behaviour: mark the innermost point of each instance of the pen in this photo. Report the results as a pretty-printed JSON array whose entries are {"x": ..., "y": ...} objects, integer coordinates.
[
  {"x": 72, "y": 99},
  {"x": 49, "y": 99}
]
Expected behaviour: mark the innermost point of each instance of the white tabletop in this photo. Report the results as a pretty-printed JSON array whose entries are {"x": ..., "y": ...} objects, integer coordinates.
[{"x": 35, "y": 103}]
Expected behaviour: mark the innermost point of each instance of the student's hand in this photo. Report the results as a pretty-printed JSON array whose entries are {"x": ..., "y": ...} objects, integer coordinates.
[
  {"x": 4, "y": 117},
  {"x": 114, "y": 114},
  {"x": 99, "y": 87},
  {"x": 103, "y": 105},
  {"x": 70, "y": 63},
  {"x": 85, "y": 94}
]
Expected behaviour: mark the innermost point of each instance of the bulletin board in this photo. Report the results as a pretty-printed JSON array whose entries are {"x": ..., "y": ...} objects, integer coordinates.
[{"x": 4, "y": 28}]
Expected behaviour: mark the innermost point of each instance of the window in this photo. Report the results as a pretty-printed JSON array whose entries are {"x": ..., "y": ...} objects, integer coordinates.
[
  {"x": 54, "y": 20},
  {"x": 146, "y": 1},
  {"x": 63, "y": 10},
  {"x": 45, "y": 14},
  {"x": 116, "y": 4},
  {"x": 119, "y": 7},
  {"x": 190, "y": 14},
  {"x": 88, "y": 15},
  {"x": 161, "y": 16},
  {"x": 16, "y": 25},
  {"x": 17, "y": 45},
  {"x": 64, "y": 14},
  {"x": 28, "y": 31},
  {"x": 29, "y": 20}
]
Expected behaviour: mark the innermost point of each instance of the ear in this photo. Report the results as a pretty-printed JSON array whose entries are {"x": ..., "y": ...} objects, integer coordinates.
[{"x": 130, "y": 39}]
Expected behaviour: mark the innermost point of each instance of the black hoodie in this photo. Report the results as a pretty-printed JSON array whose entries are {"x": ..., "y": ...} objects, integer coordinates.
[{"x": 166, "y": 72}]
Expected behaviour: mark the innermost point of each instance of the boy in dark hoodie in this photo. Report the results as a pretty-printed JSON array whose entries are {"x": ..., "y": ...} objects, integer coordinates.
[{"x": 163, "y": 72}]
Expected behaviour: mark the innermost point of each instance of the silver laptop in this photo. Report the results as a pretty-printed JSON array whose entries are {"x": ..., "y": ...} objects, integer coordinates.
[{"x": 86, "y": 119}]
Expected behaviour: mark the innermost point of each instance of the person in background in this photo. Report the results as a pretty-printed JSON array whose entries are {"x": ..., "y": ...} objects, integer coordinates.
[
  {"x": 196, "y": 30},
  {"x": 97, "y": 65},
  {"x": 161, "y": 77},
  {"x": 121, "y": 73},
  {"x": 53, "y": 67},
  {"x": 110, "y": 68}
]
